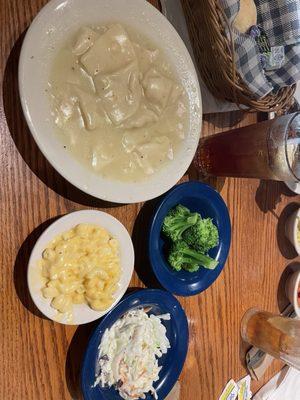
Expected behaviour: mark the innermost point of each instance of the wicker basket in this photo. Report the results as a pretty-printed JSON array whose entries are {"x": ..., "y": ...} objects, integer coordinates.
[{"x": 216, "y": 60}]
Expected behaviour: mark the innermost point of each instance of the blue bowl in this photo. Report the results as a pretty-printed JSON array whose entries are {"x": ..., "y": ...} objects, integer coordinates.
[
  {"x": 206, "y": 201},
  {"x": 161, "y": 302}
]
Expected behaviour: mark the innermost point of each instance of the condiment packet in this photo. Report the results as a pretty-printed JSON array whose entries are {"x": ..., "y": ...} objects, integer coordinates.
[
  {"x": 230, "y": 392},
  {"x": 244, "y": 392}
]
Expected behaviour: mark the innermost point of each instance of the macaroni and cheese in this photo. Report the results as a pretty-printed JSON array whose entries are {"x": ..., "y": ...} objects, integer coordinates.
[{"x": 81, "y": 265}]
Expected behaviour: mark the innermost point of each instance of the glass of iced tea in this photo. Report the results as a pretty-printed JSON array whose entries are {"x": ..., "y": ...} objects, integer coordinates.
[
  {"x": 267, "y": 150},
  {"x": 276, "y": 335}
]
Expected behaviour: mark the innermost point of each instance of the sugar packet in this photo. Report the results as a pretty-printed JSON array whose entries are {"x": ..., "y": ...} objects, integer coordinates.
[
  {"x": 230, "y": 392},
  {"x": 244, "y": 392}
]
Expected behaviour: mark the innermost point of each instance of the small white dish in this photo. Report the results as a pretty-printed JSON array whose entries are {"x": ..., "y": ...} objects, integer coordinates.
[
  {"x": 291, "y": 229},
  {"x": 82, "y": 313},
  {"x": 293, "y": 186},
  {"x": 292, "y": 287},
  {"x": 60, "y": 19}
]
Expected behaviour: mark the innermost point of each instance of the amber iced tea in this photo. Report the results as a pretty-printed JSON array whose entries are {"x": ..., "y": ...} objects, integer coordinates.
[
  {"x": 274, "y": 334},
  {"x": 268, "y": 150}
]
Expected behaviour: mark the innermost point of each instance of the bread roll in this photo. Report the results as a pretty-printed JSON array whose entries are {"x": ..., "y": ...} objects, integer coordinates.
[{"x": 246, "y": 17}]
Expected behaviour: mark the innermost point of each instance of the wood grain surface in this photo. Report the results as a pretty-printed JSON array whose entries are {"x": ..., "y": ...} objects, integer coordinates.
[{"x": 40, "y": 359}]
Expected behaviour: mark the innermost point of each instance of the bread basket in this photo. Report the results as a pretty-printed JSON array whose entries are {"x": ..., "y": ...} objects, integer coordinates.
[{"x": 215, "y": 57}]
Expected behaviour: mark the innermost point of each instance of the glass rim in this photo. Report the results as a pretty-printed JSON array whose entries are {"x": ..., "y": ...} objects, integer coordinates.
[{"x": 244, "y": 322}]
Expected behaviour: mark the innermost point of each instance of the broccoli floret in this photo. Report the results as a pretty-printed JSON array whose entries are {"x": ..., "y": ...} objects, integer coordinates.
[
  {"x": 202, "y": 236},
  {"x": 177, "y": 221},
  {"x": 180, "y": 210},
  {"x": 182, "y": 257}
]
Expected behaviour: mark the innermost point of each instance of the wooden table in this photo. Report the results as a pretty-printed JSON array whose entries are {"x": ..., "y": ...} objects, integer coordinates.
[{"x": 40, "y": 359}]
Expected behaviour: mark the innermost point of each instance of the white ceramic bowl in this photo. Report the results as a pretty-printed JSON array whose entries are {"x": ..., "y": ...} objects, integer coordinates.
[
  {"x": 47, "y": 34},
  {"x": 291, "y": 288},
  {"x": 293, "y": 186},
  {"x": 82, "y": 313},
  {"x": 291, "y": 229}
]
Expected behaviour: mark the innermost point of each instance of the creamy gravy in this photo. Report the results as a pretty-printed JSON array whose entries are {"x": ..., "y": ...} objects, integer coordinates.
[{"x": 118, "y": 105}]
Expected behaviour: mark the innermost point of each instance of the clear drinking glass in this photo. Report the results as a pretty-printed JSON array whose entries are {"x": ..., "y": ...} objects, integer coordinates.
[
  {"x": 267, "y": 150},
  {"x": 274, "y": 334}
]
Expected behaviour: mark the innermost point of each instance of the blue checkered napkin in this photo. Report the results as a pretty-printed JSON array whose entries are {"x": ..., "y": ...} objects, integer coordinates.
[
  {"x": 231, "y": 8},
  {"x": 249, "y": 65},
  {"x": 247, "y": 55},
  {"x": 289, "y": 73},
  {"x": 280, "y": 19}
]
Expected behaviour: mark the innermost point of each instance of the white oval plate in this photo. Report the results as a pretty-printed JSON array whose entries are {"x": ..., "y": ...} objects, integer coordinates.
[
  {"x": 47, "y": 34},
  {"x": 82, "y": 313}
]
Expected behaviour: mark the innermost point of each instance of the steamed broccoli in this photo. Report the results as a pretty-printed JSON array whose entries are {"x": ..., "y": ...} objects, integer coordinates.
[
  {"x": 191, "y": 238},
  {"x": 178, "y": 220},
  {"x": 182, "y": 257},
  {"x": 202, "y": 236}
]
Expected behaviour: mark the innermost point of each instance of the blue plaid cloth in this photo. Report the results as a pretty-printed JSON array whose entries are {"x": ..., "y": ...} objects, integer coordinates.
[
  {"x": 289, "y": 73},
  {"x": 280, "y": 19}
]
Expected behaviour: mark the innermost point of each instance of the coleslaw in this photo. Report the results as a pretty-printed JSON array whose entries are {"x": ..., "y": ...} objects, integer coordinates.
[{"x": 129, "y": 353}]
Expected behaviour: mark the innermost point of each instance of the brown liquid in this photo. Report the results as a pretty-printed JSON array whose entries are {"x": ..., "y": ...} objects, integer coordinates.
[
  {"x": 256, "y": 151},
  {"x": 276, "y": 335}
]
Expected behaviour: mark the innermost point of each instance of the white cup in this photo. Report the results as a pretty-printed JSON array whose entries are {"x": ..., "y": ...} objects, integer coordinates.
[
  {"x": 291, "y": 229},
  {"x": 291, "y": 289}
]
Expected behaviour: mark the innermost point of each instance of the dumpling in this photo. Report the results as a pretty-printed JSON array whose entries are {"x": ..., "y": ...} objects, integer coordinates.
[
  {"x": 157, "y": 89},
  {"x": 172, "y": 120},
  {"x": 125, "y": 164},
  {"x": 89, "y": 108},
  {"x": 141, "y": 118},
  {"x": 65, "y": 106},
  {"x": 145, "y": 57},
  {"x": 120, "y": 93},
  {"x": 150, "y": 155},
  {"x": 85, "y": 40},
  {"x": 73, "y": 103},
  {"x": 157, "y": 149},
  {"x": 111, "y": 51},
  {"x": 133, "y": 138},
  {"x": 102, "y": 156},
  {"x": 67, "y": 66}
]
